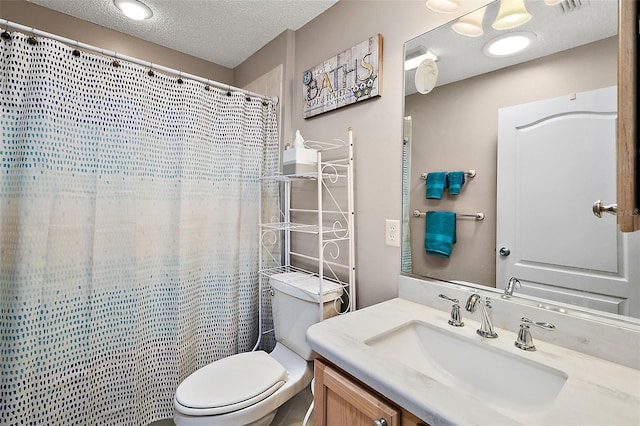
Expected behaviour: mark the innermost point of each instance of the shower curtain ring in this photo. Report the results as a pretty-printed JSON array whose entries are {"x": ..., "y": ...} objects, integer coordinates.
[
  {"x": 115, "y": 63},
  {"x": 207, "y": 86},
  {"x": 150, "y": 73},
  {"x": 6, "y": 35},
  {"x": 76, "y": 52},
  {"x": 180, "y": 80},
  {"x": 229, "y": 91},
  {"x": 32, "y": 40}
]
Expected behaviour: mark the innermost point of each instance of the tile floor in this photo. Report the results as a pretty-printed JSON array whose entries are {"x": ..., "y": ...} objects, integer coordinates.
[{"x": 290, "y": 414}]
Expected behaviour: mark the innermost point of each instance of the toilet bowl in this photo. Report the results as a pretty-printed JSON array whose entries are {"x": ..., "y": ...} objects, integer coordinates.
[
  {"x": 255, "y": 410},
  {"x": 247, "y": 388}
]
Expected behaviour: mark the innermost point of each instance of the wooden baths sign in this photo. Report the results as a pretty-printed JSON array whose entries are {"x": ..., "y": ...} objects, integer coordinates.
[{"x": 349, "y": 77}]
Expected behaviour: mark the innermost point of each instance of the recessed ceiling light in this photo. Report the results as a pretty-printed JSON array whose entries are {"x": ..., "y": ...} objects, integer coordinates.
[
  {"x": 508, "y": 44},
  {"x": 134, "y": 9}
]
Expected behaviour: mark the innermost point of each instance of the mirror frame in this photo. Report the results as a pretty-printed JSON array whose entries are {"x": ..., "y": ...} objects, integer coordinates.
[{"x": 627, "y": 184}]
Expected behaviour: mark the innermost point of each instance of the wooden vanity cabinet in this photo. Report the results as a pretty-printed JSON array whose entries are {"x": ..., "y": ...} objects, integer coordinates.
[{"x": 340, "y": 400}]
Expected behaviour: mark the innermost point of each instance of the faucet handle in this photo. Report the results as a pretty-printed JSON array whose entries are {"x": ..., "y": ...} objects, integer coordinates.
[
  {"x": 546, "y": 325},
  {"x": 524, "y": 340},
  {"x": 456, "y": 318},
  {"x": 445, "y": 297}
]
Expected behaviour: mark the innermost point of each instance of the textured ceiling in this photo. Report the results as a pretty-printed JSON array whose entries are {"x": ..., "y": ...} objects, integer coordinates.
[{"x": 225, "y": 32}]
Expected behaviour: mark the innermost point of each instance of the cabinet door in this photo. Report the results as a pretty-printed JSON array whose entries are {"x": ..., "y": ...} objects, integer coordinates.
[{"x": 339, "y": 401}]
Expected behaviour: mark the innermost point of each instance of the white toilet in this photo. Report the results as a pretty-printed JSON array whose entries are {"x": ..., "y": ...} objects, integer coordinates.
[{"x": 247, "y": 388}]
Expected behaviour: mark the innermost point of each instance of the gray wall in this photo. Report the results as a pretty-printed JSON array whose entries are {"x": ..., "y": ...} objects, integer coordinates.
[{"x": 278, "y": 51}]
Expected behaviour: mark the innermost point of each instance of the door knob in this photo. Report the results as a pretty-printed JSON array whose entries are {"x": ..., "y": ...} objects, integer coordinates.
[
  {"x": 380, "y": 422},
  {"x": 599, "y": 208},
  {"x": 504, "y": 251}
]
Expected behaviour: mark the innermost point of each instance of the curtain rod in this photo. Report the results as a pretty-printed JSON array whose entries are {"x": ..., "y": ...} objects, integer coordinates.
[{"x": 116, "y": 55}]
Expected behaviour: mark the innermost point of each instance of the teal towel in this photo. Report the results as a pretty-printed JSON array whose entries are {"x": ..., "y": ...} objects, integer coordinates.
[
  {"x": 456, "y": 180},
  {"x": 440, "y": 233},
  {"x": 436, "y": 183}
]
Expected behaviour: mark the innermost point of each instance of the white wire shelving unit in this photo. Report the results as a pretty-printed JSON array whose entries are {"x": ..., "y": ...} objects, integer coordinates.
[{"x": 330, "y": 222}]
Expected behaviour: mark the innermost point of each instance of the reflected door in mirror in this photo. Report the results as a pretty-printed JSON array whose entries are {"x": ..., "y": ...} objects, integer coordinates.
[{"x": 555, "y": 158}]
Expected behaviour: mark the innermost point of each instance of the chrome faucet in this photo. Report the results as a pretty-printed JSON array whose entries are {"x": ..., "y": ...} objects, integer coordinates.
[
  {"x": 524, "y": 340},
  {"x": 513, "y": 284},
  {"x": 486, "y": 324}
]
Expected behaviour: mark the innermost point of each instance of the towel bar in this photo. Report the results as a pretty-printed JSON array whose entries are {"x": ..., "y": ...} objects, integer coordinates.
[
  {"x": 476, "y": 216},
  {"x": 468, "y": 173}
]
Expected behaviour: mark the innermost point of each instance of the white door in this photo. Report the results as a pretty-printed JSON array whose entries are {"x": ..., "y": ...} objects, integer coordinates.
[{"x": 555, "y": 159}]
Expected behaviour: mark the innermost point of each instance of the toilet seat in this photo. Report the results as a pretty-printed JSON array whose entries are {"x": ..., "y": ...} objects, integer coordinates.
[{"x": 232, "y": 383}]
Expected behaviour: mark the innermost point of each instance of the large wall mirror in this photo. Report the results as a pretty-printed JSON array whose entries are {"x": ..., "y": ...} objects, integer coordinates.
[{"x": 538, "y": 128}]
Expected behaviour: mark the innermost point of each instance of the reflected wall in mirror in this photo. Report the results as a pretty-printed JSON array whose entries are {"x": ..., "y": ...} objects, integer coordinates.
[{"x": 454, "y": 126}]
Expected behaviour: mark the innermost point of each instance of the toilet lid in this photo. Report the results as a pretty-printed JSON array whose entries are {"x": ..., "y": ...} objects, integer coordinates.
[{"x": 232, "y": 383}]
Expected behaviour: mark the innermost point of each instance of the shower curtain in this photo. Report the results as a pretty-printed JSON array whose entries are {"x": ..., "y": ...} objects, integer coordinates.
[{"x": 129, "y": 209}]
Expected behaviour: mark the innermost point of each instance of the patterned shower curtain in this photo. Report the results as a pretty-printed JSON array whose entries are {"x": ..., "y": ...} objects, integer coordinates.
[{"x": 129, "y": 209}]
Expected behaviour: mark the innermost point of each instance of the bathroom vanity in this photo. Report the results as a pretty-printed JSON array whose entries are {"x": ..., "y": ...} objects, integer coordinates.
[{"x": 401, "y": 361}]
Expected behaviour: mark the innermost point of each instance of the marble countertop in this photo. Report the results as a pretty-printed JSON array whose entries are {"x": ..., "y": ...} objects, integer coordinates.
[{"x": 596, "y": 392}]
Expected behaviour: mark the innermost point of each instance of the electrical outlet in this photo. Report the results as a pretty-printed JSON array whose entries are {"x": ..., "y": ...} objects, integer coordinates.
[{"x": 392, "y": 233}]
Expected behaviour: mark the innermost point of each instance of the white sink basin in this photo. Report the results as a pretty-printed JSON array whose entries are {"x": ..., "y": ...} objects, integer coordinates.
[{"x": 513, "y": 385}]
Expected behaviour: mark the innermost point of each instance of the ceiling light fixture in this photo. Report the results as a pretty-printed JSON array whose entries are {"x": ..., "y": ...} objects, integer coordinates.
[
  {"x": 470, "y": 25},
  {"x": 512, "y": 13},
  {"x": 134, "y": 9},
  {"x": 443, "y": 6},
  {"x": 508, "y": 44},
  {"x": 412, "y": 63}
]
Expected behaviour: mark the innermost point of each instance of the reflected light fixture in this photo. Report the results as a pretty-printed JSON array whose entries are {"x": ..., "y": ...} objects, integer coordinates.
[
  {"x": 134, "y": 9},
  {"x": 470, "y": 25},
  {"x": 508, "y": 44},
  {"x": 443, "y": 6},
  {"x": 412, "y": 63},
  {"x": 552, "y": 2},
  {"x": 512, "y": 13}
]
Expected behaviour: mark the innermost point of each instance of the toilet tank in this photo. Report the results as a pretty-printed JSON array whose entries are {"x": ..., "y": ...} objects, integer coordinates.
[{"x": 295, "y": 307}]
